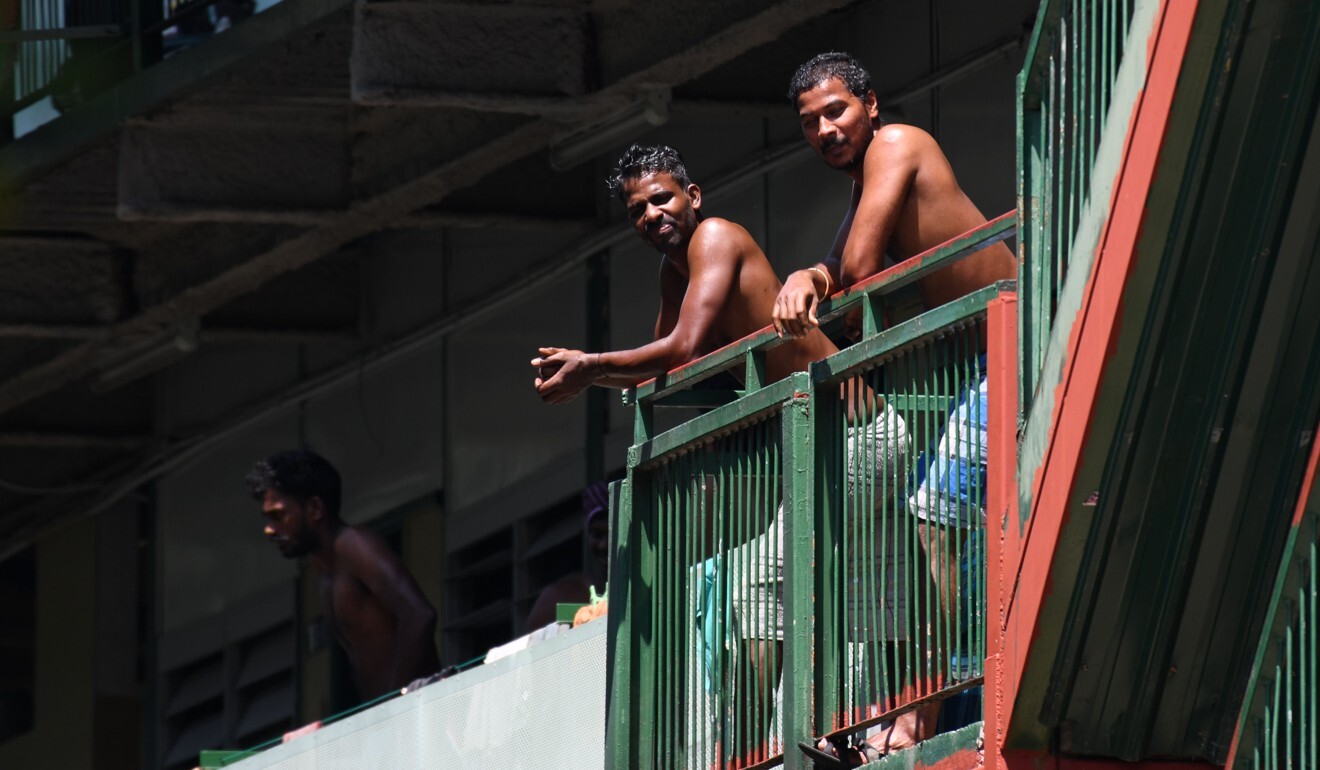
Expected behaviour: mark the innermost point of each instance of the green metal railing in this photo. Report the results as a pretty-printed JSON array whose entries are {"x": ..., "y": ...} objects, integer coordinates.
[
  {"x": 1064, "y": 95},
  {"x": 901, "y": 614},
  {"x": 1280, "y": 724},
  {"x": 769, "y": 583}
]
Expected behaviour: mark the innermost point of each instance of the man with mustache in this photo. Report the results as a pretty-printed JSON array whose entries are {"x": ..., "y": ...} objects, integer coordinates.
[
  {"x": 905, "y": 200},
  {"x": 372, "y": 605}
]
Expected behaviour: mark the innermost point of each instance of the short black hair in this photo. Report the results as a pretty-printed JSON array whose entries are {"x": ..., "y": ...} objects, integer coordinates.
[
  {"x": 641, "y": 160},
  {"x": 300, "y": 473},
  {"x": 824, "y": 66}
]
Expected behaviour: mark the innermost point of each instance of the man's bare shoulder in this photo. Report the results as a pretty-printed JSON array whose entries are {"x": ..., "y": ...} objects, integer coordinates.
[
  {"x": 899, "y": 140},
  {"x": 717, "y": 238},
  {"x": 358, "y": 548}
]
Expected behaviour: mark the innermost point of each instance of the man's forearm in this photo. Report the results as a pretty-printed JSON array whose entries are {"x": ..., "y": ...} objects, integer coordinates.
[{"x": 633, "y": 366}]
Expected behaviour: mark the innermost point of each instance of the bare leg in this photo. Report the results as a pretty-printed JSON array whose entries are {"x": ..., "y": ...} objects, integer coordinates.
[
  {"x": 908, "y": 729},
  {"x": 940, "y": 545},
  {"x": 941, "y": 554},
  {"x": 754, "y": 704}
]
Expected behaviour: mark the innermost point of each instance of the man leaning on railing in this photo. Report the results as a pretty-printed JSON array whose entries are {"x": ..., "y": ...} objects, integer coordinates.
[
  {"x": 905, "y": 200},
  {"x": 716, "y": 286}
]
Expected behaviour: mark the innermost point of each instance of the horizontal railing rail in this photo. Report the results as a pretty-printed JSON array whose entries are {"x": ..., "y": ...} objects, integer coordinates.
[{"x": 864, "y": 294}]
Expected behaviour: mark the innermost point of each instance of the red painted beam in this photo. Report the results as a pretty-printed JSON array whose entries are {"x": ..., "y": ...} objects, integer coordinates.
[{"x": 1026, "y": 564}]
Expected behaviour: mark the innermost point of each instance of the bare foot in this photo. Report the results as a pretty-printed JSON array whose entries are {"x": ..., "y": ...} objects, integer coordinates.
[{"x": 908, "y": 729}]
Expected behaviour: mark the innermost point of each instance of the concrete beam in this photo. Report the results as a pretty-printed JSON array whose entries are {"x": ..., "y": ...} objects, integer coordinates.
[
  {"x": 218, "y": 335},
  {"x": 423, "y": 219},
  {"x": 284, "y": 166},
  {"x": 473, "y": 48},
  {"x": 55, "y": 440},
  {"x": 60, "y": 281}
]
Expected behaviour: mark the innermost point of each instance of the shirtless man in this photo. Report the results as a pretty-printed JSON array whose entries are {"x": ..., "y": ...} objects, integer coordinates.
[
  {"x": 372, "y": 604},
  {"x": 716, "y": 286},
  {"x": 905, "y": 200}
]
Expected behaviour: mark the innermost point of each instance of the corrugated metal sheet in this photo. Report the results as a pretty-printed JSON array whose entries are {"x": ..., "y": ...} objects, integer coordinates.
[{"x": 1218, "y": 413}]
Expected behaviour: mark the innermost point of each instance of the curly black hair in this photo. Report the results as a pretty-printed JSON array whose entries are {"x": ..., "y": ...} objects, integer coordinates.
[
  {"x": 300, "y": 473},
  {"x": 640, "y": 160},
  {"x": 822, "y": 67}
]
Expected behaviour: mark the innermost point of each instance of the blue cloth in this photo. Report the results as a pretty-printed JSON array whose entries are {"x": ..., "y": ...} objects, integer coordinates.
[{"x": 951, "y": 484}]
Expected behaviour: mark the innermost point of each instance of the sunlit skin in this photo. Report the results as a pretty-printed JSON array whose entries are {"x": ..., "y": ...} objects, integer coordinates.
[
  {"x": 372, "y": 605},
  {"x": 716, "y": 286},
  {"x": 905, "y": 200}
]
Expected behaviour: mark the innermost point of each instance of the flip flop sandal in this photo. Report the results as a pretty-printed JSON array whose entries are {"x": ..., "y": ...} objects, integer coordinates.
[
  {"x": 864, "y": 752},
  {"x": 821, "y": 758}
]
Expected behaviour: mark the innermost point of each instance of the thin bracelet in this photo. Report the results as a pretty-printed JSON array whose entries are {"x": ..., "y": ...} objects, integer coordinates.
[
  {"x": 827, "y": 281},
  {"x": 600, "y": 372}
]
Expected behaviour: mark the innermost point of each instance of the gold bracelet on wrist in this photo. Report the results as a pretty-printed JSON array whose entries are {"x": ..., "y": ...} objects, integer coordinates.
[{"x": 826, "y": 276}]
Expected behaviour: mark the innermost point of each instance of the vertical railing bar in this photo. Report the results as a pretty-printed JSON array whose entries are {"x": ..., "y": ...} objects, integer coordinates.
[
  {"x": 963, "y": 384},
  {"x": 657, "y": 707},
  {"x": 697, "y": 512},
  {"x": 677, "y": 563},
  {"x": 1303, "y": 634},
  {"x": 772, "y": 499},
  {"x": 936, "y": 566},
  {"x": 676, "y": 606},
  {"x": 982, "y": 615},
  {"x": 664, "y": 627},
  {"x": 883, "y": 554},
  {"x": 874, "y": 509},
  {"x": 707, "y": 697},
  {"x": 722, "y": 720},
  {"x": 857, "y": 579},
  {"x": 752, "y": 701},
  {"x": 1073, "y": 112},
  {"x": 690, "y": 672},
  {"x": 1092, "y": 88},
  {"x": 739, "y": 518},
  {"x": 1287, "y": 686},
  {"x": 1059, "y": 211}
]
